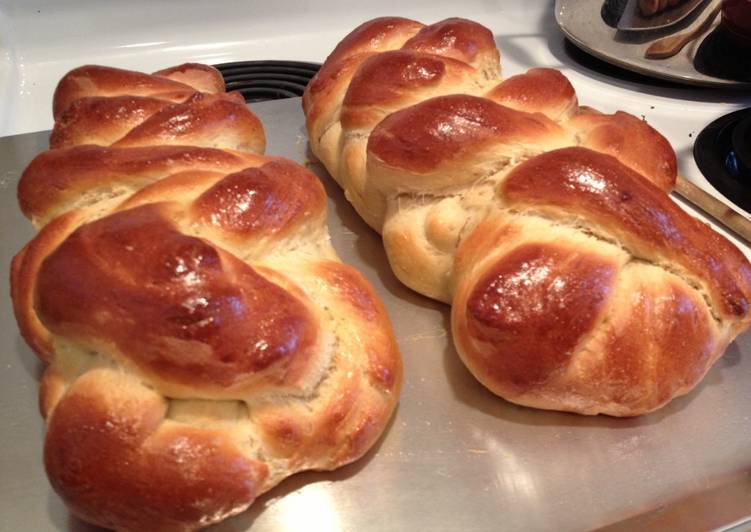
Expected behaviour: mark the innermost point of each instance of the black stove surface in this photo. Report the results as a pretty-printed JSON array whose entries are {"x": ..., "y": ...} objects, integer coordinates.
[
  {"x": 721, "y": 56},
  {"x": 723, "y": 154},
  {"x": 259, "y": 81}
]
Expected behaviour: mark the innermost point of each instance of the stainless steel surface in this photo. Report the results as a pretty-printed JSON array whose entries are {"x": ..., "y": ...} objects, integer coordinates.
[
  {"x": 455, "y": 457},
  {"x": 580, "y": 20},
  {"x": 713, "y": 208},
  {"x": 633, "y": 20}
]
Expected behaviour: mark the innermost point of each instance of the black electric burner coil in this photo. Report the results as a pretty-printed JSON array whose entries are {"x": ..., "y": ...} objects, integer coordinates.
[
  {"x": 259, "y": 81},
  {"x": 722, "y": 56},
  {"x": 723, "y": 154}
]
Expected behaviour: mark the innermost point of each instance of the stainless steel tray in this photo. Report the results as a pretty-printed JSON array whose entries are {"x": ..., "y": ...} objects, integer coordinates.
[{"x": 455, "y": 457}]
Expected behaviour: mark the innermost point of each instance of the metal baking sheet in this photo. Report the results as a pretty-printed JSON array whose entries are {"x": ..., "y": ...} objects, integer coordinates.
[{"x": 455, "y": 457}]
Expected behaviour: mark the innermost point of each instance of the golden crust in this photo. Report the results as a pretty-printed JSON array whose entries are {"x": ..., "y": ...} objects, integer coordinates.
[
  {"x": 533, "y": 216},
  {"x": 325, "y": 91},
  {"x": 57, "y": 181},
  {"x": 539, "y": 90},
  {"x": 631, "y": 141},
  {"x": 439, "y": 142},
  {"x": 102, "y": 120},
  {"x": 23, "y": 279},
  {"x": 203, "y": 341},
  {"x": 95, "y": 80},
  {"x": 117, "y": 461},
  {"x": 203, "y": 78},
  {"x": 207, "y": 120},
  {"x": 408, "y": 76},
  {"x": 617, "y": 203}
]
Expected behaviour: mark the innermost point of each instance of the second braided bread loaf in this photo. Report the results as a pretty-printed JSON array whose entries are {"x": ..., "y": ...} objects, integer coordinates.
[{"x": 576, "y": 283}]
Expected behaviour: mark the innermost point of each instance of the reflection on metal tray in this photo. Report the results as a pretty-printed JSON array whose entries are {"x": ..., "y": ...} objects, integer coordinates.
[
  {"x": 455, "y": 457},
  {"x": 632, "y": 18}
]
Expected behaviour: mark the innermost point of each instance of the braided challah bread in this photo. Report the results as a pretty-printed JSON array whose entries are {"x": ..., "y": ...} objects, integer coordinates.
[
  {"x": 575, "y": 283},
  {"x": 203, "y": 340}
]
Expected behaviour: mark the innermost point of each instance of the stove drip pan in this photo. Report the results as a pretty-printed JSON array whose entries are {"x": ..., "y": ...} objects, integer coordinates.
[
  {"x": 723, "y": 154},
  {"x": 259, "y": 81}
]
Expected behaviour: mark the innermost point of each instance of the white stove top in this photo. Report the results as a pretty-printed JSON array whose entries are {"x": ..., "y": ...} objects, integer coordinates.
[{"x": 41, "y": 40}]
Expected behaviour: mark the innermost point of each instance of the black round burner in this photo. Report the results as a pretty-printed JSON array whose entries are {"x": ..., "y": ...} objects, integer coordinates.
[
  {"x": 723, "y": 154},
  {"x": 722, "y": 56},
  {"x": 741, "y": 142},
  {"x": 258, "y": 81}
]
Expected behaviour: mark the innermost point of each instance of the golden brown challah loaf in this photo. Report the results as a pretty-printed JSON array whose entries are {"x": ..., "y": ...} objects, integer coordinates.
[
  {"x": 576, "y": 283},
  {"x": 203, "y": 340}
]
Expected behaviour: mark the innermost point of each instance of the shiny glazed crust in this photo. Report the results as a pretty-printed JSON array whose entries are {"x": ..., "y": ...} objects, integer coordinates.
[
  {"x": 576, "y": 283},
  {"x": 203, "y": 340}
]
